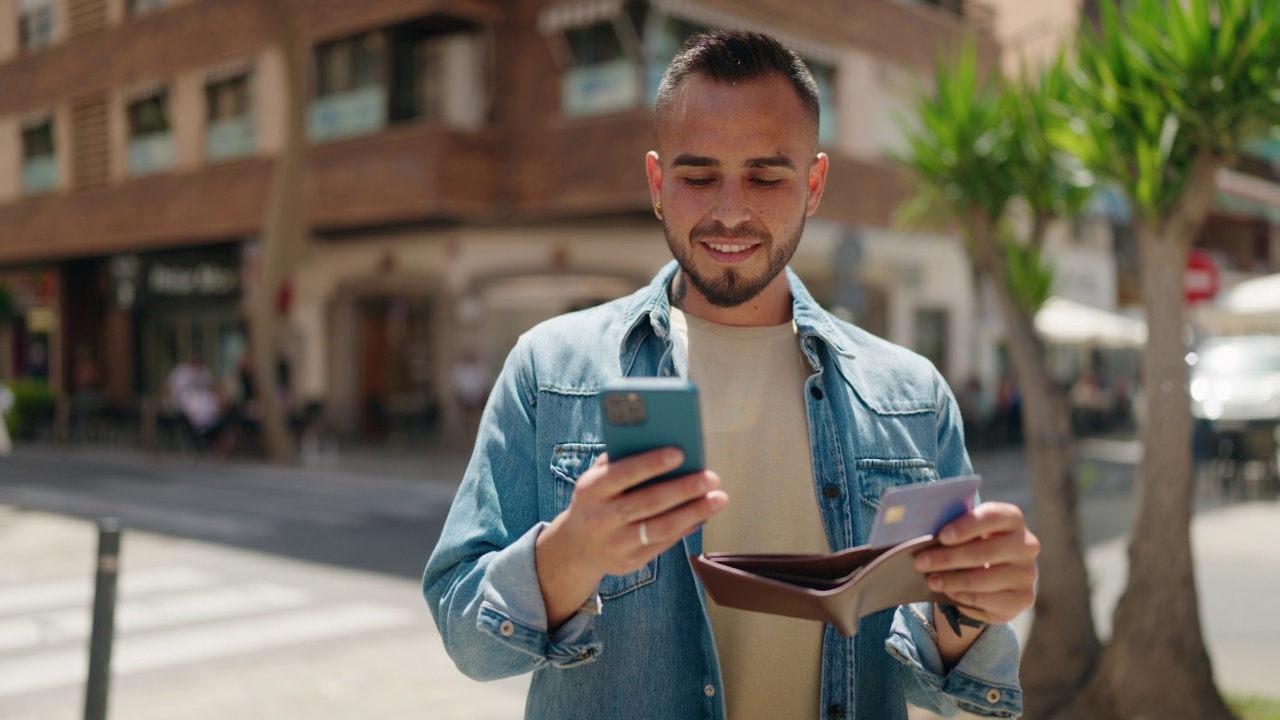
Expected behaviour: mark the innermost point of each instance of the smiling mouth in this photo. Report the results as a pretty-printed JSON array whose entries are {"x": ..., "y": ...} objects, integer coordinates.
[{"x": 726, "y": 248}]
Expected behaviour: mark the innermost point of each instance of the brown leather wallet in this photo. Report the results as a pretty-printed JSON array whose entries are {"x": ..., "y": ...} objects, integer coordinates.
[{"x": 840, "y": 588}]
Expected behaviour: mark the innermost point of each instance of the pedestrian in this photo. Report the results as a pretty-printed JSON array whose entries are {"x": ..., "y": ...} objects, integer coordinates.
[
  {"x": 548, "y": 564},
  {"x": 6, "y": 403}
]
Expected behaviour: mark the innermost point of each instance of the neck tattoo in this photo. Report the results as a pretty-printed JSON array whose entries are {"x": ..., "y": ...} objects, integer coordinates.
[{"x": 679, "y": 289}]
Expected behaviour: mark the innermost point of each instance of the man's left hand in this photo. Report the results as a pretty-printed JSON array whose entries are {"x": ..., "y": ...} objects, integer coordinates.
[{"x": 986, "y": 564}]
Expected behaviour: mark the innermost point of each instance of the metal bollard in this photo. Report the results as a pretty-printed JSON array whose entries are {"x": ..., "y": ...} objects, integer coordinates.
[{"x": 104, "y": 614}]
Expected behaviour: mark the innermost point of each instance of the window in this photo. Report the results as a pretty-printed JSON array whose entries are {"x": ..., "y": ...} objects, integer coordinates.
[
  {"x": 931, "y": 336},
  {"x": 142, "y": 7},
  {"x": 39, "y": 163},
  {"x": 35, "y": 23},
  {"x": 230, "y": 131},
  {"x": 824, "y": 76},
  {"x": 450, "y": 82},
  {"x": 603, "y": 78},
  {"x": 660, "y": 50},
  {"x": 150, "y": 142},
  {"x": 351, "y": 88}
]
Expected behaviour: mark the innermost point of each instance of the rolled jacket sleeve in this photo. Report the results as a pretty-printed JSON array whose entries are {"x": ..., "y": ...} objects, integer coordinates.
[
  {"x": 984, "y": 682},
  {"x": 481, "y": 582}
]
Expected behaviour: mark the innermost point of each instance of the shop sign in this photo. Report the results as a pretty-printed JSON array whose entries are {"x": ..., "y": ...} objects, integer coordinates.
[
  {"x": 195, "y": 275},
  {"x": 173, "y": 280}
]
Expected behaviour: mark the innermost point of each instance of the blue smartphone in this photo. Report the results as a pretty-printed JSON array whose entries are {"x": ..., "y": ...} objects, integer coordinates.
[{"x": 642, "y": 413}]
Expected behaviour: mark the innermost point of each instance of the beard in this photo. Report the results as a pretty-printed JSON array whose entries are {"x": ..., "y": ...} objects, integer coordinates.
[{"x": 730, "y": 287}]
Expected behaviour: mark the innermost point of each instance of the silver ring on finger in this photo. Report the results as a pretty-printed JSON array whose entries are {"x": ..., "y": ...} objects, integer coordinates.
[{"x": 644, "y": 534}]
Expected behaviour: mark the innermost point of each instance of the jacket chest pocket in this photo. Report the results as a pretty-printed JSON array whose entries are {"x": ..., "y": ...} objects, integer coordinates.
[{"x": 568, "y": 462}]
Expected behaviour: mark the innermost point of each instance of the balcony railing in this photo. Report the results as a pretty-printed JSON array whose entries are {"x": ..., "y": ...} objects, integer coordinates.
[
  {"x": 348, "y": 114},
  {"x": 230, "y": 139},
  {"x": 150, "y": 154},
  {"x": 40, "y": 175}
]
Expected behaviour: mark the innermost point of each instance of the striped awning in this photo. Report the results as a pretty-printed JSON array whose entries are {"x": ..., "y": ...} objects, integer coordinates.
[
  {"x": 558, "y": 18},
  {"x": 700, "y": 14},
  {"x": 1248, "y": 195},
  {"x": 35, "y": 119},
  {"x": 144, "y": 91},
  {"x": 228, "y": 70}
]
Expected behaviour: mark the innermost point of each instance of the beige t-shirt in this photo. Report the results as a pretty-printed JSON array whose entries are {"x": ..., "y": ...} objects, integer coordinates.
[{"x": 756, "y": 431}]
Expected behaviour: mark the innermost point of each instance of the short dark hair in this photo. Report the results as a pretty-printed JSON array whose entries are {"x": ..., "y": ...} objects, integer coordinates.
[{"x": 736, "y": 56}]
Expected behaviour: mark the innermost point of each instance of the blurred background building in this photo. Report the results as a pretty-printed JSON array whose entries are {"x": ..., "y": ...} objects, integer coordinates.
[{"x": 474, "y": 167}]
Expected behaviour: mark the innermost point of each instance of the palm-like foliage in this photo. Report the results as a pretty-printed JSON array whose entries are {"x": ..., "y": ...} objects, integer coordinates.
[
  {"x": 1167, "y": 81},
  {"x": 979, "y": 146},
  {"x": 1164, "y": 93}
]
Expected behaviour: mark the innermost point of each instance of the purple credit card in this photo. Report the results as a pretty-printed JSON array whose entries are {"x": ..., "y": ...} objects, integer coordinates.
[{"x": 910, "y": 511}]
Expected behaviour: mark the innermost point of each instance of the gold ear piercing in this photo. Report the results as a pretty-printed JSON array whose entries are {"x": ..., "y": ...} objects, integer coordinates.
[{"x": 657, "y": 209}]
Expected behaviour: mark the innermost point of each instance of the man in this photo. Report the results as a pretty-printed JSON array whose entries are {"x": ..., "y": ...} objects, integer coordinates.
[{"x": 546, "y": 562}]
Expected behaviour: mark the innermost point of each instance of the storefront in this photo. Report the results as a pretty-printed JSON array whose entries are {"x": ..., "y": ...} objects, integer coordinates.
[
  {"x": 181, "y": 303},
  {"x": 29, "y": 341}
]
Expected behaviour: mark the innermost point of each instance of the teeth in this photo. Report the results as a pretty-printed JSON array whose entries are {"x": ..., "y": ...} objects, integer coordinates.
[{"x": 728, "y": 248}]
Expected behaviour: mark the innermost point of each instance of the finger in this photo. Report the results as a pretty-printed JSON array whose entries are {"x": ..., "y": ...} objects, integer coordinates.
[
  {"x": 615, "y": 477},
  {"x": 985, "y": 519},
  {"x": 996, "y": 578},
  {"x": 993, "y": 550},
  {"x": 994, "y": 608},
  {"x": 660, "y": 497},
  {"x": 668, "y": 528}
]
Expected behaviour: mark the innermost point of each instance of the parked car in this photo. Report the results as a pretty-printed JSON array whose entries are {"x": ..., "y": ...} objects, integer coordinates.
[
  {"x": 1235, "y": 400},
  {"x": 1235, "y": 381}
]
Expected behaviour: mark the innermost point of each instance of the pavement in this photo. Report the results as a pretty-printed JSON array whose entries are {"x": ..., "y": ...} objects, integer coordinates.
[{"x": 393, "y": 665}]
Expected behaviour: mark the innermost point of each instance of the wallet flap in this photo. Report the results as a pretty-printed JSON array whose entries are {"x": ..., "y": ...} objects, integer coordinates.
[{"x": 840, "y": 588}]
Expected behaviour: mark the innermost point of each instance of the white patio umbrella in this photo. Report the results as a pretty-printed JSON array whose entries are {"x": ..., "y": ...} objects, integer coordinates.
[
  {"x": 1260, "y": 295},
  {"x": 1064, "y": 321}
]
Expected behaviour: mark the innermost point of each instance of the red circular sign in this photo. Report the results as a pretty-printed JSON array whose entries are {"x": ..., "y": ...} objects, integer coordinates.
[{"x": 1201, "y": 281}]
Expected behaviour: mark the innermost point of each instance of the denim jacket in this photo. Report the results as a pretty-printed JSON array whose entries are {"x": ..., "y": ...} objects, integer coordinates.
[{"x": 879, "y": 416}]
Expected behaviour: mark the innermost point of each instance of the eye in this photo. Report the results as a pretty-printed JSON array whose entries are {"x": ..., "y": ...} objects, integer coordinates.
[
  {"x": 767, "y": 182},
  {"x": 698, "y": 181}
]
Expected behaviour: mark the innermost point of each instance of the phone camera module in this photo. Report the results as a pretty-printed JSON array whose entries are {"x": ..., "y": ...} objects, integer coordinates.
[{"x": 624, "y": 408}]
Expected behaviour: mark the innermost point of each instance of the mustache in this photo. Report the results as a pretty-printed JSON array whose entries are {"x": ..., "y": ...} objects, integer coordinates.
[{"x": 717, "y": 230}]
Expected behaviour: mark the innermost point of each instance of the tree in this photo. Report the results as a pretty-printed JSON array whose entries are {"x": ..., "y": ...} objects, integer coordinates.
[
  {"x": 981, "y": 146},
  {"x": 1163, "y": 95},
  {"x": 283, "y": 234}
]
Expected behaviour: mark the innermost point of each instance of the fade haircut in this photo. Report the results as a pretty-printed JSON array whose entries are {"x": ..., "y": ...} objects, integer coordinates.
[{"x": 737, "y": 56}]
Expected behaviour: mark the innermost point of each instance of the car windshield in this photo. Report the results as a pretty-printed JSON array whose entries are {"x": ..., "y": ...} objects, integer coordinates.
[{"x": 1241, "y": 359}]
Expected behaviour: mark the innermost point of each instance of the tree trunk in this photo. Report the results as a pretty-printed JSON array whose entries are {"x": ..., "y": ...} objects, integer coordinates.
[
  {"x": 282, "y": 237},
  {"x": 1156, "y": 665},
  {"x": 1063, "y": 645}
]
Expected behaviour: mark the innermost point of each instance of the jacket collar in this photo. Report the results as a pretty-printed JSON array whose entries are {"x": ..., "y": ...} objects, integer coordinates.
[{"x": 650, "y": 311}]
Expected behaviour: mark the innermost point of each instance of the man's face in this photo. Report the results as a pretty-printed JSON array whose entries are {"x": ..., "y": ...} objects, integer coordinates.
[{"x": 737, "y": 175}]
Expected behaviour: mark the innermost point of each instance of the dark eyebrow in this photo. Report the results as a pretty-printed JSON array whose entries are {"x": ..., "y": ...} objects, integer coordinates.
[
  {"x": 783, "y": 161},
  {"x": 687, "y": 160}
]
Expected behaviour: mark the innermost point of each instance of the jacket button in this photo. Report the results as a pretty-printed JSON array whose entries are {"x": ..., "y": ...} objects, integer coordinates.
[
  {"x": 831, "y": 492},
  {"x": 816, "y": 392},
  {"x": 709, "y": 690},
  {"x": 835, "y": 712},
  {"x": 507, "y": 628},
  {"x": 993, "y": 696}
]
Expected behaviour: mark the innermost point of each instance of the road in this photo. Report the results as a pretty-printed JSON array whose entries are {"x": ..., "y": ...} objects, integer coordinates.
[{"x": 258, "y": 592}]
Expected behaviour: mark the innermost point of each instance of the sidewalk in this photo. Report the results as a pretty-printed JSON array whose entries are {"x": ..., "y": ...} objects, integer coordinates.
[{"x": 1237, "y": 546}]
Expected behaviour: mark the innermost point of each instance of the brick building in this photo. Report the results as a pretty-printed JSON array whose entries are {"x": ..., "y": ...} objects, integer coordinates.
[{"x": 474, "y": 166}]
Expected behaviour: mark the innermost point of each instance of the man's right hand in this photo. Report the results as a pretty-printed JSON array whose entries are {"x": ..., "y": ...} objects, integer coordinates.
[{"x": 601, "y": 531}]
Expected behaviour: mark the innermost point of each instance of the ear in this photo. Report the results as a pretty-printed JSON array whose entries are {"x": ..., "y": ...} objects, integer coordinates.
[
  {"x": 653, "y": 168},
  {"x": 817, "y": 182}
]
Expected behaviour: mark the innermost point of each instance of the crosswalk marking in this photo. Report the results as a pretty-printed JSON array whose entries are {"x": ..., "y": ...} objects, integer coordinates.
[
  {"x": 64, "y": 593},
  {"x": 152, "y": 651},
  {"x": 152, "y": 613}
]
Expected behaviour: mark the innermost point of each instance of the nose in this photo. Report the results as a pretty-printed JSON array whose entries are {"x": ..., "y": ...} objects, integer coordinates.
[{"x": 731, "y": 205}]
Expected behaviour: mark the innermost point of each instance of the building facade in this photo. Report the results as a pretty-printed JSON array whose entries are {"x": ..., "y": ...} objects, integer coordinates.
[{"x": 473, "y": 167}]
